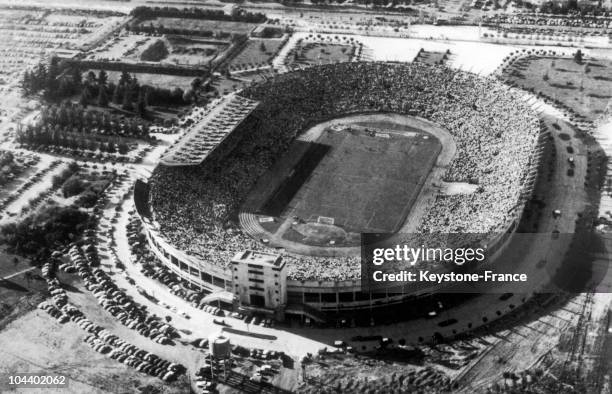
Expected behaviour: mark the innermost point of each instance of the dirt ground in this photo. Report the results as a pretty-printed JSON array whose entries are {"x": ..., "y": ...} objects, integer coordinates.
[
  {"x": 27, "y": 347},
  {"x": 60, "y": 349}
]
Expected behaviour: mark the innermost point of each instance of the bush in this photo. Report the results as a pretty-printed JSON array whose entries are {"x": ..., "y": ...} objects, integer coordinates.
[
  {"x": 155, "y": 52},
  {"x": 88, "y": 199},
  {"x": 58, "y": 180},
  {"x": 50, "y": 228},
  {"x": 73, "y": 186}
]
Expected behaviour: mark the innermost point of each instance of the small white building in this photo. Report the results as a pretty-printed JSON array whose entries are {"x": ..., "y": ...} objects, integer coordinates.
[
  {"x": 260, "y": 280},
  {"x": 230, "y": 9}
]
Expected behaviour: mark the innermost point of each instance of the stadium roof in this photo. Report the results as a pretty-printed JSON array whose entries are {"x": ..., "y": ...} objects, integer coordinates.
[{"x": 208, "y": 132}]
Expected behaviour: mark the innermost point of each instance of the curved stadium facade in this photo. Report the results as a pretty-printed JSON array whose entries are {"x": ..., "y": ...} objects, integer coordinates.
[{"x": 191, "y": 212}]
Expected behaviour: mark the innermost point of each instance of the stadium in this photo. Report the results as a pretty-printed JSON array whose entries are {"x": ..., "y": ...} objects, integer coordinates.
[{"x": 262, "y": 202}]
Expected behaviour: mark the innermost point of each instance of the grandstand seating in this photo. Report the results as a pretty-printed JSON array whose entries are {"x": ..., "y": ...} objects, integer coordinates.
[
  {"x": 208, "y": 131},
  {"x": 494, "y": 130}
]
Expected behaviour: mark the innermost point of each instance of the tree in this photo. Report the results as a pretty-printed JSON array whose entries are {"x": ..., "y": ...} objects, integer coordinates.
[
  {"x": 102, "y": 78},
  {"x": 84, "y": 101},
  {"x": 91, "y": 77},
  {"x": 578, "y": 57},
  {"x": 72, "y": 187},
  {"x": 124, "y": 79},
  {"x": 117, "y": 95},
  {"x": 196, "y": 83},
  {"x": 189, "y": 95},
  {"x": 88, "y": 199},
  {"x": 141, "y": 107},
  {"x": 77, "y": 76},
  {"x": 50, "y": 227},
  {"x": 102, "y": 97},
  {"x": 123, "y": 148},
  {"x": 126, "y": 104},
  {"x": 66, "y": 87}
]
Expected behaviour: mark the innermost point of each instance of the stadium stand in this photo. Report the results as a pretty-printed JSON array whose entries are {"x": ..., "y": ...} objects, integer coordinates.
[
  {"x": 495, "y": 132},
  {"x": 208, "y": 131}
]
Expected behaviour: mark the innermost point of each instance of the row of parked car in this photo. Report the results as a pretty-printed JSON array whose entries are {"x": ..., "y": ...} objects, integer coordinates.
[
  {"x": 54, "y": 312},
  {"x": 119, "y": 304},
  {"x": 102, "y": 340},
  {"x": 4, "y": 202},
  {"x": 151, "y": 268},
  {"x": 204, "y": 381},
  {"x": 130, "y": 355}
]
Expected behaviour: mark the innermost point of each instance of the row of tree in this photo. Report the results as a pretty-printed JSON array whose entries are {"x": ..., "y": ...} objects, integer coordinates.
[
  {"x": 35, "y": 136},
  {"x": 50, "y": 80},
  {"x": 160, "y": 29},
  {"x": 79, "y": 119},
  {"x": 57, "y": 83},
  {"x": 573, "y": 7},
  {"x": 237, "y": 15},
  {"x": 49, "y": 229}
]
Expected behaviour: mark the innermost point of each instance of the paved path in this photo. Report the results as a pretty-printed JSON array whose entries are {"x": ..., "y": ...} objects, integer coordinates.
[{"x": 17, "y": 273}]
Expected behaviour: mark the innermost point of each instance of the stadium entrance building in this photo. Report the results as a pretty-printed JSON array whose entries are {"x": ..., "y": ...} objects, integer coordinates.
[{"x": 260, "y": 282}]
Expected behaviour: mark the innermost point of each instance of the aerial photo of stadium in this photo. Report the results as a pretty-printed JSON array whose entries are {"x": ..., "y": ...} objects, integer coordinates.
[{"x": 305, "y": 197}]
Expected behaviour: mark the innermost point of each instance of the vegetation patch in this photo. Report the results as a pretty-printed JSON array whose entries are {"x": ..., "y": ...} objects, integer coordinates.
[
  {"x": 584, "y": 86},
  {"x": 155, "y": 52}
]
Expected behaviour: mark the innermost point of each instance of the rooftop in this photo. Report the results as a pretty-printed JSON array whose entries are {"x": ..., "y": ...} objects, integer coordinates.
[
  {"x": 208, "y": 131},
  {"x": 261, "y": 258}
]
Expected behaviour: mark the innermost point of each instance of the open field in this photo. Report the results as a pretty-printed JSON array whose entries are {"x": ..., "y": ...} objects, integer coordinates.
[
  {"x": 180, "y": 50},
  {"x": 315, "y": 53},
  {"x": 60, "y": 349},
  {"x": 122, "y": 47},
  {"x": 26, "y": 36},
  {"x": 192, "y": 50},
  {"x": 158, "y": 80},
  {"x": 201, "y": 25},
  {"x": 336, "y": 178},
  {"x": 586, "y": 87},
  {"x": 257, "y": 53}
]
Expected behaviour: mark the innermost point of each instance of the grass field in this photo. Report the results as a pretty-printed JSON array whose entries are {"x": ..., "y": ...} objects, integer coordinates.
[
  {"x": 158, "y": 80},
  {"x": 586, "y": 87},
  {"x": 431, "y": 57},
  {"x": 361, "y": 181},
  {"x": 202, "y": 25},
  {"x": 308, "y": 53},
  {"x": 193, "y": 51},
  {"x": 257, "y": 53}
]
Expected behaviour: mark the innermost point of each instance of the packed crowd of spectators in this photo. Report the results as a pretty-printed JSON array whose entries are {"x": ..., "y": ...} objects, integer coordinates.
[{"x": 494, "y": 131}]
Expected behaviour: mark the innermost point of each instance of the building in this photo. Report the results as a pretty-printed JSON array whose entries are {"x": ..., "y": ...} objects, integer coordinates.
[{"x": 260, "y": 281}]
